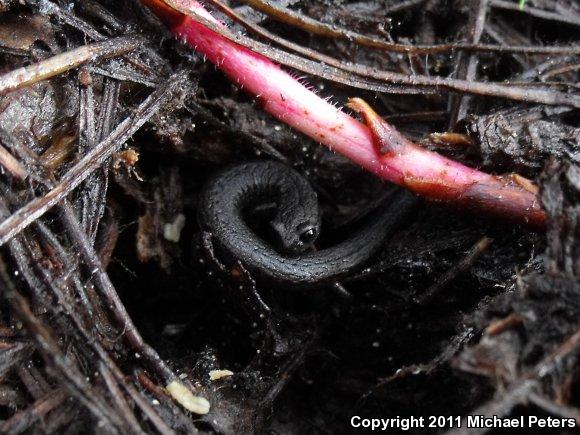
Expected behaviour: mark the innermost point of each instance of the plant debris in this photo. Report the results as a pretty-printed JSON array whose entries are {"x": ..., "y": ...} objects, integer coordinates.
[{"x": 120, "y": 316}]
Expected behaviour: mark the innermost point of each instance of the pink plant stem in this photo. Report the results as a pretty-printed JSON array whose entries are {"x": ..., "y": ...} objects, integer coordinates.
[{"x": 377, "y": 146}]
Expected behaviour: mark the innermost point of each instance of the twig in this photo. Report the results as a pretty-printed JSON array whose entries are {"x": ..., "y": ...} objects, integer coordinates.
[
  {"x": 98, "y": 273},
  {"x": 13, "y": 356},
  {"x": 521, "y": 389},
  {"x": 404, "y": 118},
  {"x": 537, "y": 71},
  {"x": 555, "y": 408},
  {"x": 466, "y": 262},
  {"x": 49, "y": 8},
  {"x": 60, "y": 63},
  {"x": 73, "y": 380},
  {"x": 452, "y": 347},
  {"x": 195, "y": 30},
  {"x": 22, "y": 420},
  {"x": 164, "y": 399},
  {"x": 117, "y": 397},
  {"x": 92, "y": 193},
  {"x": 311, "y": 25},
  {"x": 334, "y": 74},
  {"x": 87, "y": 335},
  {"x": 90, "y": 161},
  {"x": 562, "y": 70},
  {"x": 36, "y": 385},
  {"x": 467, "y": 65},
  {"x": 12, "y": 165},
  {"x": 494, "y": 32},
  {"x": 537, "y": 12},
  {"x": 402, "y": 6}
]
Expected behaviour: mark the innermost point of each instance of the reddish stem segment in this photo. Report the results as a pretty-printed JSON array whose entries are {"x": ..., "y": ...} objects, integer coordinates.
[{"x": 377, "y": 146}]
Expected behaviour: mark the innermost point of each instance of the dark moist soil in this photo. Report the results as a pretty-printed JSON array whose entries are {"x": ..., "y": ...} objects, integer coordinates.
[{"x": 457, "y": 314}]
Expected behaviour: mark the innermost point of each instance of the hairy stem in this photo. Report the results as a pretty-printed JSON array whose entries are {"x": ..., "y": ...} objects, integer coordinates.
[{"x": 376, "y": 146}]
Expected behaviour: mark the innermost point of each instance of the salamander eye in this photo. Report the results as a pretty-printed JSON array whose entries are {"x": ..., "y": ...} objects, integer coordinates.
[{"x": 308, "y": 235}]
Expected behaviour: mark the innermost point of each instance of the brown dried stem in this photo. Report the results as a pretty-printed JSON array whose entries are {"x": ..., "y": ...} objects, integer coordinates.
[
  {"x": 315, "y": 27},
  {"x": 60, "y": 63},
  {"x": 90, "y": 161}
]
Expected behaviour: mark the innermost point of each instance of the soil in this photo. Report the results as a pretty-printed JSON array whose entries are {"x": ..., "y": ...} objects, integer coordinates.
[{"x": 458, "y": 314}]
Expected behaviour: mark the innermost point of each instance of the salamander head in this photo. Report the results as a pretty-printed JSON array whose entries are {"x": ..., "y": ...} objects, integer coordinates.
[{"x": 297, "y": 235}]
